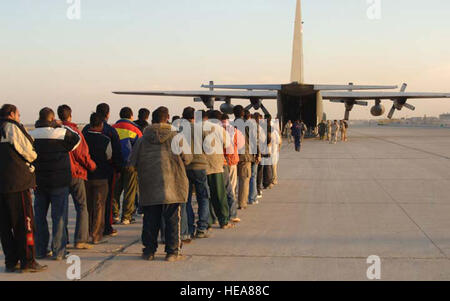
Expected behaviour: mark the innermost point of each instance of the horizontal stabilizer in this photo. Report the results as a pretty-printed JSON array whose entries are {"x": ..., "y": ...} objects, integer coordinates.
[
  {"x": 330, "y": 95},
  {"x": 277, "y": 87},
  {"x": 206, "y": 93},
  {"x": 352, "y": 87}
]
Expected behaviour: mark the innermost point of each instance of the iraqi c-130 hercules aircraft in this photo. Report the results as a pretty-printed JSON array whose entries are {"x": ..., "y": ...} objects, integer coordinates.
[{"x": 299, "y": 100}]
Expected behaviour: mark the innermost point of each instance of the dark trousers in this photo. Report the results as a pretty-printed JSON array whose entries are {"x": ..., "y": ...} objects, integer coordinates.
[
  {"x": 298, "y": 143},
  {"x": 58, "y": 198},
  {"x": 153, "y": 217},
  {"x": 267, "y": 175},
  {"x": 17, "y": 228},
  {"x": 97, "y": 192},
  {"x": 219, "y": 202},
  {"x": 78, "y": 192},
  {"x": 259, "y": 181},
  {"x": 108, "y": 206}
]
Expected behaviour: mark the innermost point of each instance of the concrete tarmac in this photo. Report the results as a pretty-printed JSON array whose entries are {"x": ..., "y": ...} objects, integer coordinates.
[{"x": 386, "y": 193}]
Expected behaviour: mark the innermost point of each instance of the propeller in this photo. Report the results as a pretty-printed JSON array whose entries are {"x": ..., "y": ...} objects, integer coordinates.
[{"x": 400, "y": 103}]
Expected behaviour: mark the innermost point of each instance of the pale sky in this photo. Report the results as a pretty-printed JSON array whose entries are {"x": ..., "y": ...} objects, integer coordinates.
[{"x": 47, "y": 59}]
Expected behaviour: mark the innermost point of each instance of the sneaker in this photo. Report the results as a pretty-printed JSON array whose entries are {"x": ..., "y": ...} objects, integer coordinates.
[
  {"x": 126, "y": 222},
  {"x": 187, "y": 241},
  {"x": 201, "y": 235},
  {"x": 100, "y": 242},
  {"x": 242, "y": 208},
  {"x": 148, "y": 257},
  {"x": 47, "y": 255},
  {"x": 259, "y": 196},
  {"x": 236, "y": 220},
  {"x": 228, "y": 226},
  {"x": 61, "y": 257},
  {"x": 116, "y": 221},
  {"x": 112, "y": 233},
  {"x": 256, "y": 203},
  {"x": 83, "y": 246},
  {"x": 12, "y": 269},
  {"x": 175, "y": 257},
  {"x": 34, "y": 268}
]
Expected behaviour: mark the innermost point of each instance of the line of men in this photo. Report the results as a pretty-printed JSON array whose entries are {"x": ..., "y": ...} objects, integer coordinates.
[
  {"x": 329, "y": 131},
  {"x": 100, "y": 162}
]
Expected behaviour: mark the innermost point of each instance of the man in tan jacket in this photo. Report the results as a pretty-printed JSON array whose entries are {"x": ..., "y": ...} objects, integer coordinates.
[
  {"x": 216, "y": 140},
  {"x": 196, "y": 173},
  {"x": 245, "y": 161},
  {"x": 163, "y": 186}
]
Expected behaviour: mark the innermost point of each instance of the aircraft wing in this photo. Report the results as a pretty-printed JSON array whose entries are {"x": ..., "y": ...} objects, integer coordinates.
[
  {"x": 381, "y": 95},
  {"x": 205, "y": 93},
  {"x": 316, "y": 87}
]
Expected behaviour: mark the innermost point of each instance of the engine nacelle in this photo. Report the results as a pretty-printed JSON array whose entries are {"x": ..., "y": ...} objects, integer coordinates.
[
  {"x": 378, "y": 110},
  {"x": 227, "y": 108}
]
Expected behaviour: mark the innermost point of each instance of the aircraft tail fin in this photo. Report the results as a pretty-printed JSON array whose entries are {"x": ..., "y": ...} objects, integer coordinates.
[{"x": 297, "y": 72}]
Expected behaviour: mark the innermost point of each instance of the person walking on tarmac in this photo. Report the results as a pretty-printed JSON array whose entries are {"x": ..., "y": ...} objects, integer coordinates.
[{"x": 297, "y": 132}]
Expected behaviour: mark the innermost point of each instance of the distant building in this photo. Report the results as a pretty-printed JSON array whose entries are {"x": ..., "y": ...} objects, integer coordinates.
[{"x": 445, "y": 117}]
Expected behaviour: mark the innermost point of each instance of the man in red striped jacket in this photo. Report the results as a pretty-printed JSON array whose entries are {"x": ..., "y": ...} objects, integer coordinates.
[{"x": 81, "y": 163}]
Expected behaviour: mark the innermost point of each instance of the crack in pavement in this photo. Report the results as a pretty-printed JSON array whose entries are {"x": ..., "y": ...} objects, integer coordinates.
[
  {"x": 302, "y": 256},
  {"x": 113, "y": 255},
  {"x": 412, "y": 220}
]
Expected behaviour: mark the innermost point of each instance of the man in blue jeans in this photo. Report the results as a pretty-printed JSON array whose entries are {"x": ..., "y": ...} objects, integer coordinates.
[
  {"x": 196, "y": 172},
  {"x": 53, "y": 178},
  {"x": 253, "y": 194},
  {"x": 261, "y": 136}
]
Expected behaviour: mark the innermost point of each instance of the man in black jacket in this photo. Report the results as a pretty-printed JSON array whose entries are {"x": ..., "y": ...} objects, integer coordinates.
[
  {"x": 100, "y": 150},
  {"x": 142, "y": 122},
  {"x": 117, "y": 162},
  {"x": 16, "y": 180},
  {"x": 53, "y": 176}
]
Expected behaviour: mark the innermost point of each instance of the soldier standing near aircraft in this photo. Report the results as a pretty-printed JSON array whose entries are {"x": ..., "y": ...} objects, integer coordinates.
[
  {"x": 322, "y": 130},
  {"x": 334, "y": 132},
  {"x": 344, "y": 129},
  {"x": 329, "y": 127},
  {"x": 304, "y": 129},
  {"x": 287, "y": 131}
]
